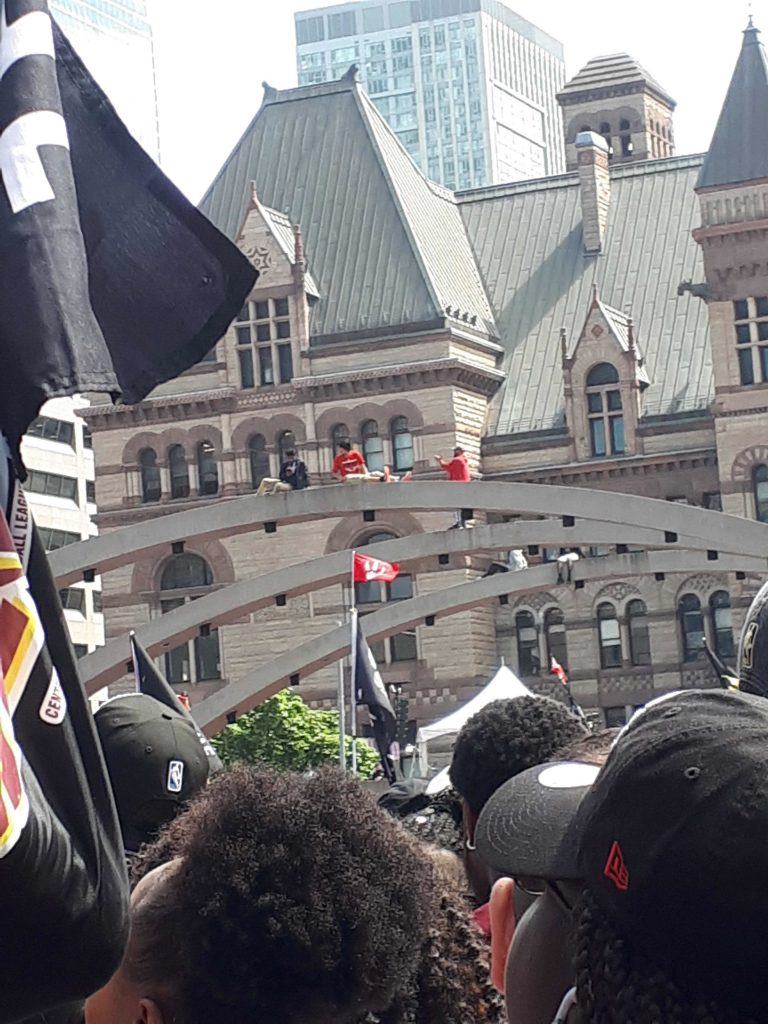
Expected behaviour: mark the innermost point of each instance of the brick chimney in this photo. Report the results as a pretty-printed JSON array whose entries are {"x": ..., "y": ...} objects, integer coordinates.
[{"x": 595, "y": 188}]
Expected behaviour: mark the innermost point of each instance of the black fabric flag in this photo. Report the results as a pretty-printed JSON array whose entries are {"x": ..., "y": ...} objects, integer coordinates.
[
  {"x": 150, "y": 680},
  {"x": 62, "y": 871},
  {"x": 110, "y": 280},
  {"x": 370, "y": 690}
]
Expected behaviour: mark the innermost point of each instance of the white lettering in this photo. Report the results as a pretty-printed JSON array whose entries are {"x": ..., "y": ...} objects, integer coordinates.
[{"x": 21, "y": 168}]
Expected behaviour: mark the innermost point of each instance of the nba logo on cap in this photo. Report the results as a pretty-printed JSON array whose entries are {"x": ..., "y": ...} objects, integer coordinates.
[{"x": 175, "y": 776}]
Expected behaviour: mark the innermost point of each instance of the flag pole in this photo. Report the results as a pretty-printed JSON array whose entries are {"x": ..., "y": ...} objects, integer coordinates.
[
  {"x": 342, "y": 712},
  {"x": 353, "y": 665}
]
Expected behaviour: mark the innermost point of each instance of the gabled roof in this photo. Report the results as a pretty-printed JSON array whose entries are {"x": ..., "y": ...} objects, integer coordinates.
[
  {"x": 620, "y": 327},
  {"x": 283, "y": 233},
  {"x": 528, "y": 242},
  {"x": 739, "y": 149},
  {"x": 386, "y": 246},
  {"x": 609, "y": 72}
]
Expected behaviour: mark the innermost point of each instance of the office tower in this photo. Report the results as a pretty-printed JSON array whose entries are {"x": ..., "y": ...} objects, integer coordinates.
[
  {"x": 468, "y": 86},
  {"x": 114, "y": 39}
]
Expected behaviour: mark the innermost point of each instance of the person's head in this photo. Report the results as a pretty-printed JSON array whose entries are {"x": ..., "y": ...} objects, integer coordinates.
[
  {"x": 458, "y": 451},
  {"x": 345, "y": 446},
  {"x": 155, "y": 762},
  {"x": 504, "y": 738},
  {"x": 291, "y": 453},
  {"x": 290, "y": 899},
  {"x": 439, "y": 822},
  {"x": 667, "y": 845}
]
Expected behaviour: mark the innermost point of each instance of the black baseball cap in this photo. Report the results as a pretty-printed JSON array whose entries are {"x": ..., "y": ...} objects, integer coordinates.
[
  {"x": 671, "y": 841},
  {"x": 753, "y": 649},
  {"x": 155, "y": 761}
]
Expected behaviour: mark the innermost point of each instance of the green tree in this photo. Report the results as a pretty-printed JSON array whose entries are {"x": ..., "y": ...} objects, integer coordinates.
[{"x": 285, "y": 733}]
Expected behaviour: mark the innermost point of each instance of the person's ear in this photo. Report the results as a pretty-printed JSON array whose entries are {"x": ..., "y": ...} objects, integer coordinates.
[
  {"x": 150, "y": 1013},
  {"x": 502, "y": 929}
]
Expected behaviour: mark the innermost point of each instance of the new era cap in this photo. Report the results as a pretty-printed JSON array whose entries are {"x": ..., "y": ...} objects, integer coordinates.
[
  {"x": 155, "y": 763},
  {"x": 753, "y": 649},
  {"x": 671, "y": 840}
]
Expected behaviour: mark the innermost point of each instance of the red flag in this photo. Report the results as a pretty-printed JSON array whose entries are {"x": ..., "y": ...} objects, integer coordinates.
[
  {"x": 556, "y": 669},
  {"x": 371, "y": 570}
]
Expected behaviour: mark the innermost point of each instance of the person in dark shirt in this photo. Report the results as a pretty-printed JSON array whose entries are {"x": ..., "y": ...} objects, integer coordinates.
[{"x": 293, "y": 472}]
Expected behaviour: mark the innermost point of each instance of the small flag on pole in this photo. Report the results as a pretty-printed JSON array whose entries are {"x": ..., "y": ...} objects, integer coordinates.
[
  {"x": 370, "y": 690},
  {"x": 373, "y": 570},
  {"x": 556, "y": 669},
  {"x": 151, "y": 681}
]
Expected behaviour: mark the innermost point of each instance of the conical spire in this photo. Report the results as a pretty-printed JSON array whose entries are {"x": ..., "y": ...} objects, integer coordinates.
[{"x": 739, "y": 149}]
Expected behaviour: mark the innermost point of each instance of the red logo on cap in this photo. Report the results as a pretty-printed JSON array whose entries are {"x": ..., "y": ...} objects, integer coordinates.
[{"x": 616, "y": 869}]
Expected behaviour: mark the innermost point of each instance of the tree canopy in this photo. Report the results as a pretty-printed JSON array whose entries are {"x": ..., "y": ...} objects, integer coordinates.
[{"x": 285, "y": 733}]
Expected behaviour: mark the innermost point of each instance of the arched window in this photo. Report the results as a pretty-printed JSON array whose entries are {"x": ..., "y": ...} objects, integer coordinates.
[
  {"x": 286, "y": 442},
  {"x": 207, "y": 468},
  {"x": 605, "y": 131},
  {"x": 760, "y": 484},
  {"x": 639, "y": 636},
  {"x": 150, "y": 475},
  {"x": 626, "y": 138},
  {"x": 373, "y": 446},
  {"x": 339, "y": 433},
  {"x": 604, "y": 411},
  {"x": 554, "y": 632},
  {"x": 177, "y": 464},
  {"x": 609, "y": 632},
  {"x": 197, "y": 660},
  {"x": 528, "y": 659},
  {"x": 369, "y": 596},
  {"x": 259, "y": 459},
  {"x": 402, "y": 445},
  {"x": 691, "y": 627},
  {"x": 722, "y": 624}
]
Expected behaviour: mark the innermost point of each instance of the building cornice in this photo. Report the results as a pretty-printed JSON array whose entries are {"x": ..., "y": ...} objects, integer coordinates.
[
  {"x": 626, "y": 466},
  {"x": 162, "y": 409},
  {"x": 400, "y": 377}
]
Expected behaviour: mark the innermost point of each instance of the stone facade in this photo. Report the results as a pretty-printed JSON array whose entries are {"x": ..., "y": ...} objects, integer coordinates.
[{"x": 407, "y": 394}]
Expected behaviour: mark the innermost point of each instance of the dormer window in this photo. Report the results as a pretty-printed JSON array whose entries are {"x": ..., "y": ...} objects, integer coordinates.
[
  {"x": 604, "y": 411},
  {"x": 263, "y": 332}
]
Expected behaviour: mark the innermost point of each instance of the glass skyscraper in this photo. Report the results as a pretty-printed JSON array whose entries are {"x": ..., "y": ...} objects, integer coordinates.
[
  {"x": 469, "y": 86},
  {"x": 114, "y": 39}
]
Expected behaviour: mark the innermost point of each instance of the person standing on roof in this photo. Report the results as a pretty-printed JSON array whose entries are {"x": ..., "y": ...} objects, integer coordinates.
[{"x": 457, "y": 470}]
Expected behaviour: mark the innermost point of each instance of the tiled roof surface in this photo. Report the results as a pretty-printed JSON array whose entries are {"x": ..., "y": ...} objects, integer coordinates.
[
  {"x": 615, "y": 69},
  {"x": 529, "y": 246}
]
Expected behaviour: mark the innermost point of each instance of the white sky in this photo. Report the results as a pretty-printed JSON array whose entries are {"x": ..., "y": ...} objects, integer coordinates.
[{"x": 212, "y": 59}]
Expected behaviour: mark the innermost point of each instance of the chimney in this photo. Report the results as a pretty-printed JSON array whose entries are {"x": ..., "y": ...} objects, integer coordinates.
[{"x": 595, "y": 188}]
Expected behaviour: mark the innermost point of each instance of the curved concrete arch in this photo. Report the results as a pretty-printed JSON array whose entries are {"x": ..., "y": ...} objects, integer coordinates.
[
  {"x": 255, "y": 687},
  {"x": 720, "y": 532},
  {"x": 230, "y": 603}
]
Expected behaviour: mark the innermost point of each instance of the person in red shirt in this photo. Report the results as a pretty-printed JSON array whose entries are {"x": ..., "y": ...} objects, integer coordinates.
[
  {"x": 349, "y": 463},
  {"x": 458, "y": 472}
]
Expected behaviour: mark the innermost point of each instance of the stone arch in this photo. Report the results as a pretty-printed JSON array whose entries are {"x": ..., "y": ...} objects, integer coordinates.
[
  {"x": 349, "y": 530},
  {"x": 147, "y": 572},
  {"x": 745, "y": 462},
  {"x": 618, "y": 593},
  {"x": 536, "y": 603},
  {"x": 328, "y": 420},
  {"x": 203, "y": 432},
  {"x": 245, "y": 430},
  {"x": 279, "y": 424},
  {"x": 137, "y": 444},
  {"x": 702, "y": 585}
]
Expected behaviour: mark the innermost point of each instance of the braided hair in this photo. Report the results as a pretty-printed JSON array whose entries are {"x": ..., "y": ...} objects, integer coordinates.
[{"x": 616, "y": 984}]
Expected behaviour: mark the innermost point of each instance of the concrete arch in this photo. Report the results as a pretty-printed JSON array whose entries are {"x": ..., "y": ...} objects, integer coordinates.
[
  {"x": 720, "y": 532},
  {"x": 420, "y": 551},
  {"x": 255, "y": 687}
]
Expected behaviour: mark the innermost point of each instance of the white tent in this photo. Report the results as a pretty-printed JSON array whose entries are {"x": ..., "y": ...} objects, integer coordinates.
[{"x": 504, "y": 686}]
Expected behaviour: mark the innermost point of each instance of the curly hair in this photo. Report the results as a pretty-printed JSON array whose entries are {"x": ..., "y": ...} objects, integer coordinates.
[
  {"x": 439, "y": 822},
  {"x": 292, "y": 899},
  {"x": 593, "y": 748},
  {"x": 505, "y": 738},
  {"x": 616, "y": 984}
]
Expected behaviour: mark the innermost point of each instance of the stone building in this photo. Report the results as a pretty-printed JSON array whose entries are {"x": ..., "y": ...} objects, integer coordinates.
[{"x": 605, "y": 328}]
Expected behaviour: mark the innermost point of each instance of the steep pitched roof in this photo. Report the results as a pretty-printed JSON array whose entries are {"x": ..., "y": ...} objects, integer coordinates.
[
  {"x": 609, "y": 72},
  {"x": 739, "y": 149},
  {"x": 386, "y": 247},
  {"x": 282, "y": 230},
  {"x": 528, "y": 242}
]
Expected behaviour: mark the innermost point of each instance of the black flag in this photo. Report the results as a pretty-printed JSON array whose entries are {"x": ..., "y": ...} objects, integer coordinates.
[
  {"x": 62, "y": 872},
  {"x": 370, "y": 690},
  {"x": 110, "y": 280},
  {"x": 151, "y": 681}
]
